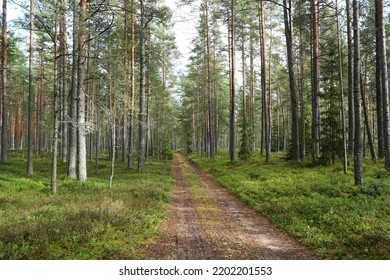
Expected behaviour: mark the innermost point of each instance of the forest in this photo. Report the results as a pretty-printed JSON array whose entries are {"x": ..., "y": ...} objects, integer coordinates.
[{"x": 284, "y": 103}]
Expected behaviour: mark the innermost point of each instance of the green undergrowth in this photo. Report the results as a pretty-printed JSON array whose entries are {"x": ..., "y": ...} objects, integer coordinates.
[
  {"x": 84, "y": 220},
  {"x": 318, "y": 204}
]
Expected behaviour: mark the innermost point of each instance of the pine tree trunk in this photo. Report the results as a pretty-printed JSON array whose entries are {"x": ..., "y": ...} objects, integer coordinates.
[
  {"x": 378, "y": 83},
  {"x": 55, "y": 121},
  {"x": 341, "y": 84},
  {"x": 293, "y": 92},
  {"x": 357, "y": 97},
  {"x": 112, "y": 126},
  {"x": 351, "y": 110},
  {"x": 232, "y": 121},
  {"x": 252, "y": 93},
  {"x": 40, "y": 100},
  {"x": 208, "y": 86},
  {"x": 31, "y": 94},
  {"x": 142, "y": 107},
  {"x": 264, "y": 94},
  {"x": 82, "y": 144},
  {"x": 315, "y": 83},
  {"x": 64, "y": 83},
  {"x": 4, "y": 112},
  {"x": 302, "y": 87},
  {"x": 132, "y": 89},
  {"x": 382, "y": 59},
  {"x": 125, "y": 95},
  {"x": 72, "y": 162}
]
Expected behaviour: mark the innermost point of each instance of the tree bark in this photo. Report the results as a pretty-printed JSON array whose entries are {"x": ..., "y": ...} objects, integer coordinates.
[
  {"x": 4, "y": 112},
  {"x": 232, "y": 125},
  {"x": 367, "y": 121},
  {"x": 126, "y": 89},
  {"x": 132, "y": 90},
  {"x": 315, "y": 83},
  {"x": 341, "y": 84},
  {"x": 302, "y": 87},
  {"x": 382, "y": 59},
  {"x": 142, "y": 107},
  {"x": 378, "y": 82},
  {"x": 72, "y": 162},
  {"x": 357, "y": 96},
  {"x": 55, "y": 119},
  {"x": 64, "y": 83},
  {"x": 293, "y": 92},
  {"x": 351, "y": 110},
  {"x": 31, "y": 94},
  {"x": 263, "y": 75},
  {"x": 112, "y": 126},
  {"x": 82, "y": 144},
  {"x": 209, "y": 96}
]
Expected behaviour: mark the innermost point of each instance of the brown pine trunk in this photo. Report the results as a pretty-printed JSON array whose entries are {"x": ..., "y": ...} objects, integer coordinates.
[
  {"x": 64, "y": 84},
  {"x": 302, "y": 88},
  {"x": 31, "y": 94},
  {"x": 378, "y": 84},
  {"x": 232, "y": 125},
  {"x": 315, "y": 83},
  {"x": 357, "y": 97},
  {"x": 40, "y": 100},
  {"x": 363, "y": 90},
  {"x": 351, "y": 110},
  {"x": 142, "y": 107},
  {"x": 4, "y": 112},
  {"x": 55, "y": 118},
  {"x": 382, "y": 60},
  {"x": 341, "y": 84},
  {"x": 132, "y": 89},
  {"x": 264, "y": 94},
  {"x": 126, "y": 89},
  {"x": 293, "y": 93},
  {"x": 252, "y": 94}
]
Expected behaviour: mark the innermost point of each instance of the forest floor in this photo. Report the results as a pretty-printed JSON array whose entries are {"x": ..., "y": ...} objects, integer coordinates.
[{"x": 207, "y": 222}]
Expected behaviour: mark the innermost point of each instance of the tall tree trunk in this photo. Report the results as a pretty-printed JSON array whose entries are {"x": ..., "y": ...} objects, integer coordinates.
[
  {"x": 40, "y": 100},
  {"x": 252, "y": 92},
  {"x": 209, "y": 98},
  {"x": 126, "y": 90},
  {"x": 64, "y": 83},
  {"x": 351, "y": 110},
  {"x": 55, "y": 118},
  {"x": 269, "y": 95},
  {"x": 132, "y": 89},
  {"x": 4, "y": 115},
  {"x": 293, "y": 92},
  {"x": 382, "y": 60},
  {"x": 112, "y": 126},
  {"x": 357, "y": 97},
  {"x": 31, "y": 93},
  {"x": 264, "y": 84},
  {"x": 302, "y": 86},
  {"x": 315, "y": 83},
  {"x": 378, "y": 83},
  {"x": 72, "y": 162},
  {"x": 142, "y": 107},
  {"x": 341, "y": 84},
  {"x": 367, "y": 121},
  {"x": 82, "y": 144},
  {"x": 232, "y": 118}
]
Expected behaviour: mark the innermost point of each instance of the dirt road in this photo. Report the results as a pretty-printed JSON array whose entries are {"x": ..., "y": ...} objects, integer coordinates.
[{"x": 206, "y": 222}]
